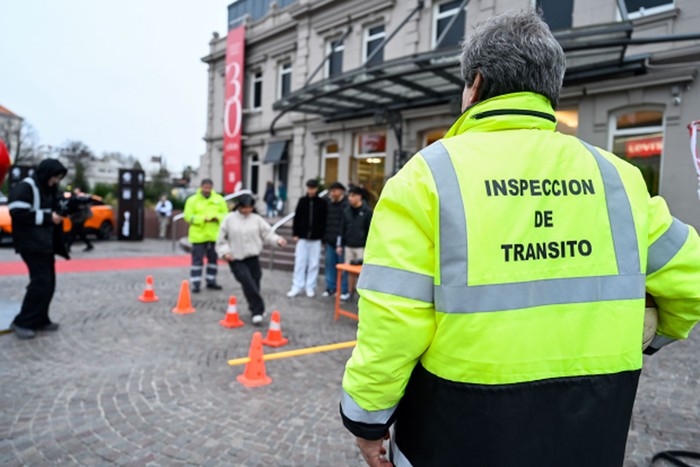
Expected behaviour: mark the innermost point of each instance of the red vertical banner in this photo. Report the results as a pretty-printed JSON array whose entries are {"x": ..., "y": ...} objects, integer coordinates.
[{"x": 233, "y": 116}]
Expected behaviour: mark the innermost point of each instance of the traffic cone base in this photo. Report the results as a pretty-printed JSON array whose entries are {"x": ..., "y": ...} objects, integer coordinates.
[
  {"x": 184, "y": 303},
  {"x": 231, "y": 320},
  {"x": 274, "y": 333},
  {"x": 149, "y": 294},
  {"x": 254, "y": 374}
]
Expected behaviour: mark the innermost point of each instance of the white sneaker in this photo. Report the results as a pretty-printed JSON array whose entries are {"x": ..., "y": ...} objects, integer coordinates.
[
  {"x": 257, "y": 319},
  {"x": 293, "y": 293},
  {"x": 327, "y": 293},
  {"x": 345, "y": 297},
  {"x": 310, "y": 293}
]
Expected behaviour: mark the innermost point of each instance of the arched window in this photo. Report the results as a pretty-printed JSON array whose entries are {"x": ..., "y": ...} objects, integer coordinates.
[{"x": 638, "y": 136}]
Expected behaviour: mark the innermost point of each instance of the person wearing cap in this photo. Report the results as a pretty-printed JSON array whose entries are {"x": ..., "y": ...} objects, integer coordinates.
[
  {"x": 354, "y": 227},
  {"x": 204, "y": 211},
  {"x": 309, "y": 227},
  {"x": 37, "y": 235},
  {"x": 337, "y": 202},
  {"x": 241, "y": 237}
]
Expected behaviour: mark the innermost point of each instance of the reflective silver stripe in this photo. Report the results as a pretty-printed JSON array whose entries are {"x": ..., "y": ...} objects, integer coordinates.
[
  {"x": 211, "y": 277},
  {"x": 620, "y": 214},
  {"x": 518, "y": 295},
  {"x": 211, "y": 267},
  {"x": 36, "y": 201},
  {"x": 357, "y": 414},
  {"x": 397, "y": 457},
  {"x": 666, "y": 246},
  {"x": 660, "y": 341},
  {"x": 453, "y": 224},
  {"x": 397, "y": 282},
  {"x": 39, "y": 217},
  {"x": 19, "y": 205},
  {"x": 196, "y": 268},
  {"x": 195, "y": 279}
]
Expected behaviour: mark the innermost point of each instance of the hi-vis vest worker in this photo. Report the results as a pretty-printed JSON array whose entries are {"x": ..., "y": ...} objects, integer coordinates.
[
  {"x": 503, "y": 285},
  {"x": 198, "y": 209}
]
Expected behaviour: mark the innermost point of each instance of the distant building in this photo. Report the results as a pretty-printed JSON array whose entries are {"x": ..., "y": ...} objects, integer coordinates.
[
  {"x": 10, "y": 129},
  {"x": 348, "y": 90}
]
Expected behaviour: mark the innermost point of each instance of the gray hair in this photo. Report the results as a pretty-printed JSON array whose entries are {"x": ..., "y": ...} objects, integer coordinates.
[{"x": 514, "y": 52}]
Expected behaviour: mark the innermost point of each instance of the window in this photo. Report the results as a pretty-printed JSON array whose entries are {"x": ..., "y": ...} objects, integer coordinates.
[
  {"x": 285, "y": 79},
  {"x": 373, "y": 37},
  {"x": 557, "y": 13},
  {"x": 442, "y": 15},
  {"x": 637, "y": 137},
  {"x": 330, "y": 159},
  {"x": 637, "y": 8},
  {"x": 257, "y": 90},
  {"x": 334, "y": 65}
]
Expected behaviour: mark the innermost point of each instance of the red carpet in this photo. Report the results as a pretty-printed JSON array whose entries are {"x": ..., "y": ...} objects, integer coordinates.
[{"x": 15, "y": 268}]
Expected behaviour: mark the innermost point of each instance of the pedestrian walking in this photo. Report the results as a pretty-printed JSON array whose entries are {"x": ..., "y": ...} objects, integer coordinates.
[
  {"x": 354, "y": 228},
  {"x": 337, "y": 202},
  {"x": 164, "y": 210},
  {"x": 204, "y": 211},
  {"x": 241, "y": 238},
  {"x": 518, "y": 344},
  {"x": 309, "y": 226},
  {"x": 270, "y": 200},
  {"x": 281, "y": 197},
  {"x": 80, "y": 213},
  {"x": 37, "y": 235}
]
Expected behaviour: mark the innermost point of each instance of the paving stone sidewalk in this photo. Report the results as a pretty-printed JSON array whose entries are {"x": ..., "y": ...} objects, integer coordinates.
[{"x": 128, "y": 383}]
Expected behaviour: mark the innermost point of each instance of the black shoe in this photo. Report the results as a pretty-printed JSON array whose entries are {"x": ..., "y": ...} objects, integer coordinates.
[
  {"x": 89, "y": 248},
  {"x": 49, "y": 327},
  {"x": 23, "y": 333},
  {"x": 214, "y": 286},
  {"x": 195, "y": 289}
]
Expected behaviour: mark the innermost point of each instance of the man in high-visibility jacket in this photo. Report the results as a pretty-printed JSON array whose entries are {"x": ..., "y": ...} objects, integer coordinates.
[
  {"x": 204, "y": 211},
  {"x": 504, "y": 278}
]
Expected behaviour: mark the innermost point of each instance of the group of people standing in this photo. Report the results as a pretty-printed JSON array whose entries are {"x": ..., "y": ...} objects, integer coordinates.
[{"x": 238, "y": 237}]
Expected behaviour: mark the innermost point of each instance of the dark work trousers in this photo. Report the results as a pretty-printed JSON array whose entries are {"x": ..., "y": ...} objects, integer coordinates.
[
  {"x": 34, "y": 313},
  {"x": 77, "y": 232},
  {"x": 247, "y": 271},
  {"x": 199, "y": 251}
]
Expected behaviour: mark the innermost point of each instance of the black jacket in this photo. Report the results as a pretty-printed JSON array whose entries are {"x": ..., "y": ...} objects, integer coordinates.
[
  {"x": 310, "y": 218},
  {"x": 355, "y": 226},
  {"x": 32, "y": 231},
  {"x": 334, "y": 218}
]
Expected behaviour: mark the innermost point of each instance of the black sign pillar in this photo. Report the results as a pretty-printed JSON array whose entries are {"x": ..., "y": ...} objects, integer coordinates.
[
  {"x": 130, "y": 225},
  {"x": 19, "y": 173}
]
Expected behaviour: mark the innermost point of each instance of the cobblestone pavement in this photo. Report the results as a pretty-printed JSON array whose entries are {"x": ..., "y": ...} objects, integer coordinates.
[{"x": 128, "y": 383}]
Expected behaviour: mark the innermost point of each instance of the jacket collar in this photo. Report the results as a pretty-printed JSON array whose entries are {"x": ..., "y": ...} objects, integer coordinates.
[{"x": 520, "y": 110}]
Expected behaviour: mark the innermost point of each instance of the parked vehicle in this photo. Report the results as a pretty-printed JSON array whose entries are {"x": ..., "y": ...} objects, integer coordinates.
[{"x": 101, "y": 224}]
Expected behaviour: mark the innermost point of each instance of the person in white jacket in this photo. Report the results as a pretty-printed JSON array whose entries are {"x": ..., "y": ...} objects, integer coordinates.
[{"x": 241, "y": 237}]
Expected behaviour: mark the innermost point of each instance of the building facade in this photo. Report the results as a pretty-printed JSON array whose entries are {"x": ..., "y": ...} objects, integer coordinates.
[
  {"x": 10, "y": 131},
  {"x": 348, "y": 90}
]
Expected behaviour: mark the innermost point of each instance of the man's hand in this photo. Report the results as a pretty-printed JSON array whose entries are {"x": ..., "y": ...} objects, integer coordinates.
[
  {"x": 373, "y": 451},
  {"x": 228, "y": 257},
  {"x": 281, "y": 242},
  {"x": 295, "y": 238},
  {"x": 56, "y": 219},
  {"x": 339, "y": 250}
]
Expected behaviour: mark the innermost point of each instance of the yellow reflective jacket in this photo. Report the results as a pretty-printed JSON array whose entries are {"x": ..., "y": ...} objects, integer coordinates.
[
  {"x": 502, "y": 296},
  {"x": 197, "y": 209}
]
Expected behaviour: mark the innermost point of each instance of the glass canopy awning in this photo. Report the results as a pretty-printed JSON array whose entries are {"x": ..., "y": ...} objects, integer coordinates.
[{"x": 592, "y": 53}]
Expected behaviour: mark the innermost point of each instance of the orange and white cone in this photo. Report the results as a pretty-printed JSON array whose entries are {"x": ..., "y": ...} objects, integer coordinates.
[
  {"x": 231, "y": 320},
  {"x": 254, "y": 374},
  {"x": 274, "y": 333},
  {"x": 184, "y": 302},
  {"x": 149, "y": 295}
]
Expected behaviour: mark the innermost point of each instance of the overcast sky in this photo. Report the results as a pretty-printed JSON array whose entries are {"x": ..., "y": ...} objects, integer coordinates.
[{"x": 118, "y": 75}]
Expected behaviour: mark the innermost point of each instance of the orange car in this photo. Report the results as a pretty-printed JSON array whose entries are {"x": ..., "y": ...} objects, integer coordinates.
[{"x": 100, "y": 224}]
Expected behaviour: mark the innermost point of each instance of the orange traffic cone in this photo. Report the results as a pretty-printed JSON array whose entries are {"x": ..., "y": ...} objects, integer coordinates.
[
  {"x": 254, "y": 374},
  {"x": 184, "y": 304},
  {"x": 231, "y": 320},
  {"x": 274, "y": 333},
  {"x": 149, "y": 294}
]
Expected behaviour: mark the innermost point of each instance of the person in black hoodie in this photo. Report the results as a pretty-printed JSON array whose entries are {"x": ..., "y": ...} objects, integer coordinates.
[
  {"x": 337, "y": 202},
  {"x": 309, "y": 226},
  {"x": 354, "y": 228},
  {"x": 37, "y": 234}
]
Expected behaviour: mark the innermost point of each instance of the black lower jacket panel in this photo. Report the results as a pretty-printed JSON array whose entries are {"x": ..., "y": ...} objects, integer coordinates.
[{"x": 563, "y": 422}]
